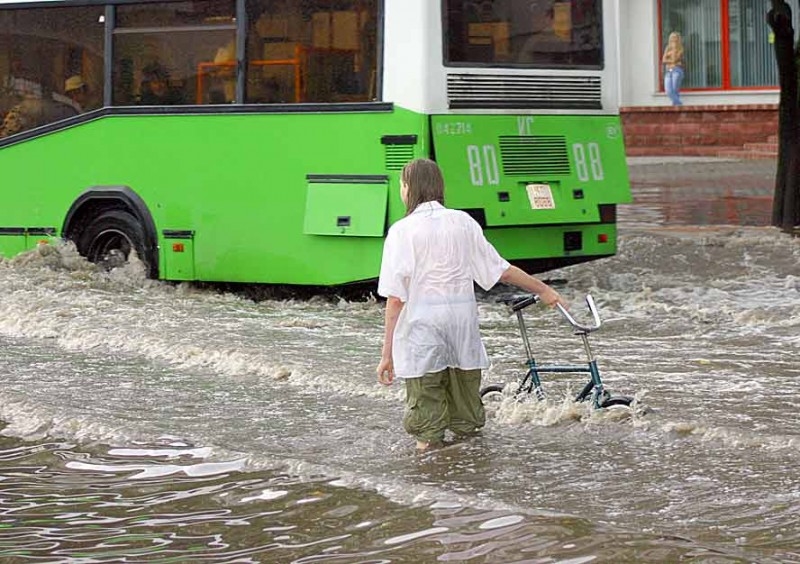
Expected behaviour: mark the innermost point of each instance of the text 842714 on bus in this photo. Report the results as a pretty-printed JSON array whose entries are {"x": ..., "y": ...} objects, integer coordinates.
[{"x": 262, "y": 140}]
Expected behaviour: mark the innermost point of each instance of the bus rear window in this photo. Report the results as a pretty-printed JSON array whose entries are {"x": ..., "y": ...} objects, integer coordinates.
[{"x": 535, "y": 33}]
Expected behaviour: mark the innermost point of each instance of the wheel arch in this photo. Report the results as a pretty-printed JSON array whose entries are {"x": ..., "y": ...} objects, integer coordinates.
[{"x": 98, "y": 199}]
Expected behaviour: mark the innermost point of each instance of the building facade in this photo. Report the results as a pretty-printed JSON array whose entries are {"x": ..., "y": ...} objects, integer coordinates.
[
  {"x": 729, "y": 52},
  {"x": 730, "y": 90}
]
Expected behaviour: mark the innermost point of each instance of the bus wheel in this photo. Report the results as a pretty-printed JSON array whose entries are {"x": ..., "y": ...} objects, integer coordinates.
[{"x": 110, "y": 237}]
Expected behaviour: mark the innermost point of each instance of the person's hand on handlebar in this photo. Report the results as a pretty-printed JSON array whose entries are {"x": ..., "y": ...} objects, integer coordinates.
[
  {"x": 521, "y": 279},
  {"x": 550, "y": 297}
]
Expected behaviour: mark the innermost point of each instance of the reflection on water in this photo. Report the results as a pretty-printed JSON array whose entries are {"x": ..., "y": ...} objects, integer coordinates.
[
  {"x": 700, "y": 192},
  {"x": 157, "y": 503},
  {"x": 166, "y": 423}
]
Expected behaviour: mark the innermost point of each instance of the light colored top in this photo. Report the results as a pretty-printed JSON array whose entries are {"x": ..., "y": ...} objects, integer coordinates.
[{"x": 430, "y": 260}]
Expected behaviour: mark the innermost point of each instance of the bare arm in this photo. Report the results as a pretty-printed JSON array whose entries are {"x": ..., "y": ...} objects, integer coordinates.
[
  {"x": 386, "y": 366},
  {"x": 521, "y": 279}
]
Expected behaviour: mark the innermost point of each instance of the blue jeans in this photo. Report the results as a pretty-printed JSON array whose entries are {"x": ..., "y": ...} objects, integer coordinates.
[{"x": 672, "y": 84}]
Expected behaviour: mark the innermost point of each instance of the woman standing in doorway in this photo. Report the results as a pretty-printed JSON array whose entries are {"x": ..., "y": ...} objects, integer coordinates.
[{"x": 673, "y": 68}]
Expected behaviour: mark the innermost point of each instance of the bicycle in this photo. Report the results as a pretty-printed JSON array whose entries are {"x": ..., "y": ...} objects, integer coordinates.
[{"x": 530, "y": 383}]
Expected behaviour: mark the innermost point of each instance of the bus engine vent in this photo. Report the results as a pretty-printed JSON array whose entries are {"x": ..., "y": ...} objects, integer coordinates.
[
  {"x": 534, "y": 155},
  {"x": 398, "y": 155},
  {"x": 477, "y": 91}
]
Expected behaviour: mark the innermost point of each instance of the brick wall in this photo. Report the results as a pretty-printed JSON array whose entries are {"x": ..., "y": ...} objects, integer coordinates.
[{"x": 701, "y": 130}]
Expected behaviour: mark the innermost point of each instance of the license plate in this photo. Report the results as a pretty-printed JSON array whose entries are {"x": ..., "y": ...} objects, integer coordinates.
[{"x": 540, "y": 196}]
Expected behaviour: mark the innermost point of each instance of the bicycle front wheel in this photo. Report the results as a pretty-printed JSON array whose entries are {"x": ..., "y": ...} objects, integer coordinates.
[
  {"x": 613, "y": 401},
  {"x": 492, "y": 393}
]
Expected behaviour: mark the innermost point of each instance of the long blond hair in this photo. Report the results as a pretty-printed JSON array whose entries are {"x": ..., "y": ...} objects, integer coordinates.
[{"x": 677, "y": 48}]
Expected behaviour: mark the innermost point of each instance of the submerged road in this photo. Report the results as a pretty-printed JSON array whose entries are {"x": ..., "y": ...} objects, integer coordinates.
[{"x": 162, "y": 423}]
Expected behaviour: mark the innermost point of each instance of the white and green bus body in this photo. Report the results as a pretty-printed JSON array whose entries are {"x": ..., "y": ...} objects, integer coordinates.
[{"x": 303, "y": 192}]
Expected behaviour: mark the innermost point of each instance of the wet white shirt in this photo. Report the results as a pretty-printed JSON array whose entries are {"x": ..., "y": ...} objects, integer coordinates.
[{"x": 430, "y": 260}]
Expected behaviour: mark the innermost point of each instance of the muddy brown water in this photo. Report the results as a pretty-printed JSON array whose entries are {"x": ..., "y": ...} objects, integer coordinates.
[{"x": 148, "y": 422}]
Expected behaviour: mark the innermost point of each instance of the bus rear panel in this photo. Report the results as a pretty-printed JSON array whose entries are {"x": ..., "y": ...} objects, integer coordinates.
[{"x": 544, "y": 188}]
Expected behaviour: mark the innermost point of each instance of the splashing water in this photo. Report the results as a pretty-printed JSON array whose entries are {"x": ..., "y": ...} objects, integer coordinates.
[{"x": 701, "y": 326}]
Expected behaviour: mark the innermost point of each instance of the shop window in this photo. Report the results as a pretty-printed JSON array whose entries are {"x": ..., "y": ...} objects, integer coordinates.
[
  {"x": 175, "y": 53},
  {"x": 312, "y": 51},
  {"x": 51, "y": 65},
  {"x": 752, "y": 53},
  {"x": 547, "y": 33},
  {"x": 698, "y": 22},
  {"x": 734, "y": 52}
]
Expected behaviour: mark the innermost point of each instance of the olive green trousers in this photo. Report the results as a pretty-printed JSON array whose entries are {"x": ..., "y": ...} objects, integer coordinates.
[{"x": 449, "y": 399}]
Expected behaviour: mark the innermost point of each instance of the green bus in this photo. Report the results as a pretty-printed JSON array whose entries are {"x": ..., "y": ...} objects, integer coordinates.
[{"x": 261, "y": 141}]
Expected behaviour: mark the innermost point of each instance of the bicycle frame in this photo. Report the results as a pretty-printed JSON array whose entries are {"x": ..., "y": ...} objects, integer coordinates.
[{"x": 531, "y": 382}]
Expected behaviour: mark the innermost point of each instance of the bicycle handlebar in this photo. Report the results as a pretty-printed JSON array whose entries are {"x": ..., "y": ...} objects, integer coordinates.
[
  {"x": 518, "y": 304},
  {"x": 578, "y": 326}
]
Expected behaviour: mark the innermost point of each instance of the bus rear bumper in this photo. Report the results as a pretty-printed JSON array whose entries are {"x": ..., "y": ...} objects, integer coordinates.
[{"x": 541, "y": 248}]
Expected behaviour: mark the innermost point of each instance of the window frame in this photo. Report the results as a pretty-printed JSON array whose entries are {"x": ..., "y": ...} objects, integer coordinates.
[{"x": 725, "y": 55}]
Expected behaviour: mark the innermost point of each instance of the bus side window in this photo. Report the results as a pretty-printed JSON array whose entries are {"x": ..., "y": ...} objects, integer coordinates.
[
  {"x": 51, "y": 65},
  {"x": 168, "y": 53},
  {"x": 310, "y": 52}
]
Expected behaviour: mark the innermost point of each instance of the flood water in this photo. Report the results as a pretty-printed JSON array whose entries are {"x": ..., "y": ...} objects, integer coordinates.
[{"x": 150, "y": 422}]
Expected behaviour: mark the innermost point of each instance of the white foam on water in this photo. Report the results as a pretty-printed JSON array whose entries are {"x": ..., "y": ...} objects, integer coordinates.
[
  {"x": 501, "y": 522},
  {"x": 513, "y": 411},
  {"x": 147, "y": 471},
  {"x": 402, "y": 539},
  {"x": 58, "y": 298},
  {"x": 393, "y": 488},
  {"x": 268, "y": 495},
  {"x": 34, "y": 423},
  {"x": 732, "y": 438},
  {"x": 83, "y": 309},
  {"x": 513, "y": 414},
  {"x": 204, "y": 452}
]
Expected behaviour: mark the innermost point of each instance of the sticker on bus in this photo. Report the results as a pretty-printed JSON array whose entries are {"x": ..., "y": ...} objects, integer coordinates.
[{"x": 540, "y": 196}]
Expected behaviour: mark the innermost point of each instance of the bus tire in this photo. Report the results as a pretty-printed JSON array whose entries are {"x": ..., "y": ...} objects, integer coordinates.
[{"x": 110, "y": 237}]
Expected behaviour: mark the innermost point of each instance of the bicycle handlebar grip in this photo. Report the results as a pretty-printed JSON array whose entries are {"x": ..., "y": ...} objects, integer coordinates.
[{"x": 522, "y": 303}]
